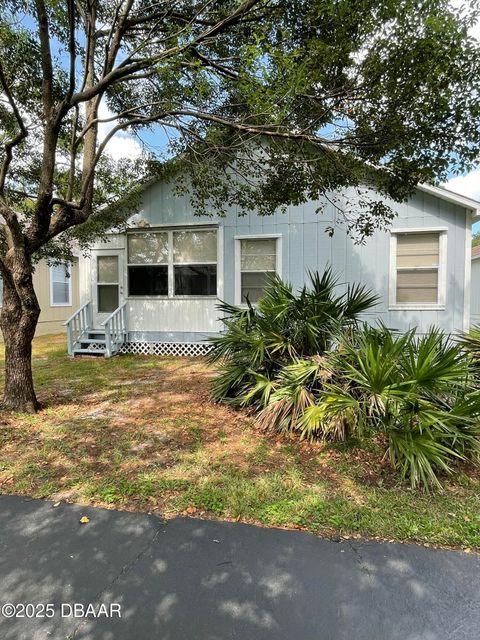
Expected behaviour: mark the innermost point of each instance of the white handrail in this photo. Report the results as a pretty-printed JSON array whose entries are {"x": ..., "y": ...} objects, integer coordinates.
[
  {"x": 115, "y": 330},
  {"x": 78, "y": 325},
  {"x": 114, "y": 313}
]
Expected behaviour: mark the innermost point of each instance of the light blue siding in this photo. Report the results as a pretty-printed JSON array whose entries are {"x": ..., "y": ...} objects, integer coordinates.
[{"x": 307, "y": 245}]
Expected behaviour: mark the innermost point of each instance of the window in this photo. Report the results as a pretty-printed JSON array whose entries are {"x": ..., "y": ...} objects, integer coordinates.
[
  {"x": 60, "y": 285},
  {"x": 173, "y": 263},
  {"x": 258, "y": 261},
  {"x": 418, "y": 269},
  {"x": 195, "y": 263},
  {"x": 107, "y": 283},
  {"x": 148, "y": 264}
]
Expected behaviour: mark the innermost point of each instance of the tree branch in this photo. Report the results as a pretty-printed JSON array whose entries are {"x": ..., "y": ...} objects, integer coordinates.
[
  {"x": 46, "y": 58},
  {"x": 16, "y": 140}
]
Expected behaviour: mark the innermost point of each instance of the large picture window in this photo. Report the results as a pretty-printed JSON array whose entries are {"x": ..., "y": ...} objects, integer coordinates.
[
  {"x": 60, "y": 285},
  {"x": 173, "y": 263},
  {"x": 258, "y": 262},
  {"x": 418, "y": 268}
]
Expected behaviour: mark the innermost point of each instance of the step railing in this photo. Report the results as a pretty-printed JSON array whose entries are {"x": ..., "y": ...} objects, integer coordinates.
[
  {"x": 78, "y": 325},
  {"x": 115, "y": 330}
]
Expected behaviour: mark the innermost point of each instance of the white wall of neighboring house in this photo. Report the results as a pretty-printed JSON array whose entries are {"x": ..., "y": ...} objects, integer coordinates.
[{"x": 475, "y": 287}]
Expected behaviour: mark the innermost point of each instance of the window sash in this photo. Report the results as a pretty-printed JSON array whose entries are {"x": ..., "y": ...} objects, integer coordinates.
[
  {"x": 101, "y": 272},
  {"x": 60, "y": 285},
  {"x": 157, "y": 247},
  {"x": 418, "y": 268},
  {"x": 190, "y": 247},
  {"x": 104, "y": 303},
  {"x": 257, "y": 259}
]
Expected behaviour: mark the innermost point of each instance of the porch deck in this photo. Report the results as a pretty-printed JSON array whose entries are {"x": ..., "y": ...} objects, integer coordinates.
[{"x": 114, "y": 338}]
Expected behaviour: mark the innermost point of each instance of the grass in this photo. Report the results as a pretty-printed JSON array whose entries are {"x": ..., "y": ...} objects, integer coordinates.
[{"x": 140, "y": 433}]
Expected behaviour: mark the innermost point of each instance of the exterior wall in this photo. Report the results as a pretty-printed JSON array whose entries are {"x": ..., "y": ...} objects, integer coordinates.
[
  {"x": 305, "y": 245},
  {"x": 52, "y": 318},
  {"x": 475, "y": 292}
]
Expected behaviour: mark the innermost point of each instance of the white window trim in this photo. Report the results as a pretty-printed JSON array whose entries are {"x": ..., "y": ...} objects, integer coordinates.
[
  {"x": 238, "y": 252},
  {"x": 169, "y": 230},
  {"x": 69, "y": 267},
  {"x": 442, "y": 271}
]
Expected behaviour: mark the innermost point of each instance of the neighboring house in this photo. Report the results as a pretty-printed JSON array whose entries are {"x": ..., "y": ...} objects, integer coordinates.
[
  {"x": 475, "y": 295},
  {"x": 56, "y": 288},
  {"x": 155, "y": 288}
]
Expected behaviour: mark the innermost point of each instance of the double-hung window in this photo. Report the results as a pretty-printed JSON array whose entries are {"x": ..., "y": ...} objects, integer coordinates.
[
  {"x": 257, "y": 261},
  {"x": 60, "y": 285},
  {"x": 173, "y": 263},
  {"x": 418, "y": 269}
]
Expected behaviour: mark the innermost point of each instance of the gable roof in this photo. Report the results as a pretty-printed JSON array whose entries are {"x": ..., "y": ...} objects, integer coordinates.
[
  {"x": 475, "y": 253},
  {"x": 450, "y": 196}
]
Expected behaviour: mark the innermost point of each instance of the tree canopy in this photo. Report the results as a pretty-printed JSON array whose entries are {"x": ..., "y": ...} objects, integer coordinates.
[{"x": 335, "y": 94}]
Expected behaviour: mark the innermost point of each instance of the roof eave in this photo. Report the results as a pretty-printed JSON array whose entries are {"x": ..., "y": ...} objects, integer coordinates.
[{"x": 455, "y": 198}]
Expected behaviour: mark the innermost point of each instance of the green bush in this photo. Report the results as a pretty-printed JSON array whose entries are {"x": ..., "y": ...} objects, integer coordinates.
[
  {"x": 303, "y": 364},
  {"x": 470, "y": 343},
  {"x": 282, "y": 328},
  {"x": 418, "y": 390}
]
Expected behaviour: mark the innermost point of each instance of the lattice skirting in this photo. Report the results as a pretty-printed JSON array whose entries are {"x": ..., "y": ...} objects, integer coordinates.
[{"x": 191, "y": 349}]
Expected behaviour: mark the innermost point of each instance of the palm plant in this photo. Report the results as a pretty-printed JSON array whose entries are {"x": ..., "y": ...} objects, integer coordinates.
[
  {"x": 418, "y": 390},
  {"x": 284, "y": 326},
  {"x": 470, "y": 343}
]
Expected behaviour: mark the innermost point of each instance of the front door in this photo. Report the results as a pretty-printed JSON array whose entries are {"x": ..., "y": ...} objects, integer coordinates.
[{"x": 108, "y": 284}]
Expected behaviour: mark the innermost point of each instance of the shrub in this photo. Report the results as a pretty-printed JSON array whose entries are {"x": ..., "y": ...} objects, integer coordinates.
[
  {"x": 418, "y": 390},
  {"x": 284, "y": 327},
  {"x": 302, "y": 363},
  {"x": 470, "y": 343}
]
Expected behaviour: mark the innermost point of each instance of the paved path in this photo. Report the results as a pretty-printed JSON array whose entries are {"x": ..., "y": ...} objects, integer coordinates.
[{"x": 199, "y": 580}]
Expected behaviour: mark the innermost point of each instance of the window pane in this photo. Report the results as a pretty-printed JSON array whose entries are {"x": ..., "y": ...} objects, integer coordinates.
[
  {"x": 196, "y": 280},
  {"x": 417, "y": 286},
  {"x": 258, "y": 254},
  {"x": 60, "y": 293},
  {"x": 417, "y": 250},
  {"x": 148, "y": 281},
  {"x": 59, "y": 273},
  {"x": 147, "y": 248},
  {"x": 107, "y": 298},
  {"x": 107, "y": 269},
  {"x": 253, "y": 285},
  {"x": 194, "y": 246}
]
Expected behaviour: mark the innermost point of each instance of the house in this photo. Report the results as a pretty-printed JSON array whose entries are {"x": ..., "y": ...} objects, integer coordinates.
[
  {"x": 56, "y": 287},
  {"x": 155, "y": 288},
  {"x": 475, "y": 293}
]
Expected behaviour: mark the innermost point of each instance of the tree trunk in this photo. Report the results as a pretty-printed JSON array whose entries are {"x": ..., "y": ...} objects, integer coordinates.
[{"x": 18, "y": 321}]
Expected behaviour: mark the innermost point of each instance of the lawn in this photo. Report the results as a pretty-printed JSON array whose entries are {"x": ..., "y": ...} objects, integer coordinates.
[{"x": 140, "y": 433}]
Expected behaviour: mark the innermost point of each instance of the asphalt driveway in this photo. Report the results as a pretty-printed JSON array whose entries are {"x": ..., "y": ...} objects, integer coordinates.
[{"x": 190, "y": 579}]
